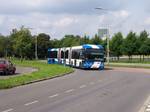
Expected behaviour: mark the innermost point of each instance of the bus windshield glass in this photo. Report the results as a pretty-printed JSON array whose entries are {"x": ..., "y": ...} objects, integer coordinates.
[
  {"x": 53, "y": 54},
  {"x": 94, "y": 54}
]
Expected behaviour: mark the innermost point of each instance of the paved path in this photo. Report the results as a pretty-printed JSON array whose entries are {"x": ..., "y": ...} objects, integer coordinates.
[
  {"x": 19, "y": 71},
  {"x": 115, "y": 90}
]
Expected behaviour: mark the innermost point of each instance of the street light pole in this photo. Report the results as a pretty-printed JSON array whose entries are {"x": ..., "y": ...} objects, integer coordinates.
[
  {"x": 36, "y": 46},
  {"x": 107, "y": 36}
]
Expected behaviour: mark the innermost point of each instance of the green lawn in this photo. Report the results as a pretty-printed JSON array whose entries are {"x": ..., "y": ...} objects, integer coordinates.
[
  {"x": 45, "y": 71},
  {"x": 132, "y": 65},
  {"x": 134, "y": 60}
]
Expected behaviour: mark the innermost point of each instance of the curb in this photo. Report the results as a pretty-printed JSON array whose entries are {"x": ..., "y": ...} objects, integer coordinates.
[
  {"x": 49, "y": 78},
  {"x": 34, "y": 81}
]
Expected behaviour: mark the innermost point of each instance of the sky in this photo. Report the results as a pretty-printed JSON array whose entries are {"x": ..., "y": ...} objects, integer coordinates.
[{"x": 77, "y": 17}]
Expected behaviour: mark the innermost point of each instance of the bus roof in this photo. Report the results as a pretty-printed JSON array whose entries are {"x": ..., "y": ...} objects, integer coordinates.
[
  {"x": 84, "y": 46},
  {"x": 88, "y": 46}
]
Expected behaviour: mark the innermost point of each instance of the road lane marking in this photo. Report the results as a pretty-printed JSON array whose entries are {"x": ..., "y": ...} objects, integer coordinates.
[
  {"x": 55, "y": 95},
  {"x": 8, "y": 110},
  {"x": 92, "y": 83},
  {"x": 83, "y": 86},
  {"x": 30, "y": 103},
  {"x": 68, "y": 91},
  {"x": 147, "y": 110}
]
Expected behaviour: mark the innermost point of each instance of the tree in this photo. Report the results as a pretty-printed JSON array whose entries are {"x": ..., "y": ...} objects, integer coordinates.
[
  {"x": 129, "y": 45},
  {"x": 85, "y": 40},
  {"x": 43, "y": 42},
  {"x": 70, "y": 40},
  {"x": 141, "y": 43},
  {"x": 8, "y": 46},
  {"x": 116, "y": 44},
  {"x": 96, "y": 40},
  {"x": 55, "y": 43},
  {"x": 2, "y": 46},
  {"x": 145, "y": 48},
  {"x": 5, "y": 46},
  {"x": 22, "y": 42}
]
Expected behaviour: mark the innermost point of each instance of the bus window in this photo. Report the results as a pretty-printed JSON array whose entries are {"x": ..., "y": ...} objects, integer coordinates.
[
  {"x": 53, "y": 54},
  {"x": 62, "y": 54},
  {"x": 82, "y": 55},
  {"x": 66, "y": 54},
  {"x": 94, "y": 54},
  {"x": 76, "y": 54}
]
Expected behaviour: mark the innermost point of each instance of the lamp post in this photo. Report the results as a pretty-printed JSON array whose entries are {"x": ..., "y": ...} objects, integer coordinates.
[
  {"x": 36, "y": 46},
  {"x": 107, "y": 35}
]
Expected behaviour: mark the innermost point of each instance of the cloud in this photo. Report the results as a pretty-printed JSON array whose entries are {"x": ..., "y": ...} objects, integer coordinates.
[
  {"x": 147, "y": 21},
  {"x": 64, "y": 22},
  {"x": 121, "y": 13},
  {"x": 1, "y": 19},
  {"x": 60, "y": 17},
  {"x": 56, "y": 6}
]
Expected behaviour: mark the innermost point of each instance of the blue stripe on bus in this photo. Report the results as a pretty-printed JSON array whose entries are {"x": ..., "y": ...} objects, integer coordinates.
[
  {"x": 89, "y": 46},
  {"x": 89, "y": 64}
]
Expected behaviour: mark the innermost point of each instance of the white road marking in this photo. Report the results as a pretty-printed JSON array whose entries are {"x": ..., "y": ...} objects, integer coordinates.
[
  {"x": 148, "y": 110},
  {"x": 30, "y": 103},
  {"x": 83, "y": 86},
  {"x": 92, "y": 83},
  {"x": 68, "y": 91},
  {"x": 55, "y": 95},
  {"x": 8, "y": 110}
]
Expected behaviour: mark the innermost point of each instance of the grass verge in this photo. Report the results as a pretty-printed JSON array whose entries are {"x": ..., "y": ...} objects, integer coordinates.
[{"x": 45, "y": 71}]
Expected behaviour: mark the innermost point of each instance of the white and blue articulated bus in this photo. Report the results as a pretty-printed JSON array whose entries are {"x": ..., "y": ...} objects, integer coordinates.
[{"x": 86, "y": 56}]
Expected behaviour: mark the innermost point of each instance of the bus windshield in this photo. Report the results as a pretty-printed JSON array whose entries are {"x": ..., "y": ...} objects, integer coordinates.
[
  {"x": 53, "y": 54},
  {"x": 94, "y": 54}
]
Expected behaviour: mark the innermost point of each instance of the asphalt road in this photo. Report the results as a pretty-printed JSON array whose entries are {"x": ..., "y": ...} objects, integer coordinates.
[{"x": 116, "y": 90}]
